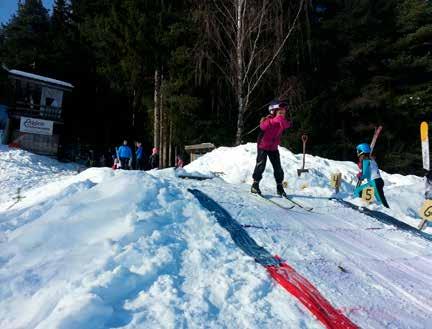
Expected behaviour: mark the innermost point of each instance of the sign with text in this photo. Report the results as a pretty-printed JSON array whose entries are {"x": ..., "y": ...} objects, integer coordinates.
[
  {"x": 336, "y": 179},
  {"x": 36, "y": 126},
  {"x": 426, "y": 210},
  {"x": 368, "y": 194}
]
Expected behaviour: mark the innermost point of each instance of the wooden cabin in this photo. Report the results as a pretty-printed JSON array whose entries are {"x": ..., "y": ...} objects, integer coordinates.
[
  {"x": 34, "y": 106},
  {"x": 197, "y": 150}
]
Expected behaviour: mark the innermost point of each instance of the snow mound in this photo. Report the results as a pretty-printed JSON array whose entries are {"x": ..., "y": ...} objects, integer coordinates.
[
  {"x": 25, "y": 170},
  {"x": 129, "y": 249},
  {"x": 235, "y": 165}
]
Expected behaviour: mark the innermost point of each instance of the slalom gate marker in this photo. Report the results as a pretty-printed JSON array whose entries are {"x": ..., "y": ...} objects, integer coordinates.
[
  {"x": 336, "y": 181},
  {"x": 368, "y": 195},
  {"x": 424, "y": 136},
  {"x": 279, "y": 270},
  {"x": 425, "y": 213},
  {"x": 426, "y": 209}
]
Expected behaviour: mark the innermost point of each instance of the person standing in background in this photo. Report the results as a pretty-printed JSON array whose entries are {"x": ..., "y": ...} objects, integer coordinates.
[
  {"x": 179, "y": 163},
  {"x": 154, "y": 158},
  {"x": 125, "y": 155},
  {"x": 140, "y": 156}
]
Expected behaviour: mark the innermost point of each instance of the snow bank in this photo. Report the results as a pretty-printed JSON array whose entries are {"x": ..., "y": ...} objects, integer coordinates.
[
  {"x": 125, "y": 249},
  {"x": 129, "y": 250},
  {"x": 25, "y": 170},
  {"x": 235, "y": 165}
]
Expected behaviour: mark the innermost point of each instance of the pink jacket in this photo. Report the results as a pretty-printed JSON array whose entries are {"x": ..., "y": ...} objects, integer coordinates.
[{"x": 272, "y": 129}]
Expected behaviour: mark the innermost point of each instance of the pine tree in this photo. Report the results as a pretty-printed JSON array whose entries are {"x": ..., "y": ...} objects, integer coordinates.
[
  {"x": 25, "y": 42},
  {"x": 63, "y": 43},
  {"x": 373, "y": 66}
]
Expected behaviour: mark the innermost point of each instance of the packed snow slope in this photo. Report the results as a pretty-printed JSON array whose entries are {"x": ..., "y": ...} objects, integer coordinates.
[
  {"x": 127, "y": 249},
  {"x": 25, "y": 170}
]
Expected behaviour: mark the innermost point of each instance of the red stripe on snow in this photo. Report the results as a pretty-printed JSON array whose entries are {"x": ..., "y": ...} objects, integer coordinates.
[{"x": 309, "y": 296}]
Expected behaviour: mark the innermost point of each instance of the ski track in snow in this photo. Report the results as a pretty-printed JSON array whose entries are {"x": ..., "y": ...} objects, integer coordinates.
[
  {"x": 389, "y": 272},
  {"x": 115, "y": 249}
]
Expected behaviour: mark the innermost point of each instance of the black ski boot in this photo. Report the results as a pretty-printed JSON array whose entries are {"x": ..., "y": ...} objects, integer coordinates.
[
  {"x": 280, "y": 190},
  {"x": 255, "y": 188}
]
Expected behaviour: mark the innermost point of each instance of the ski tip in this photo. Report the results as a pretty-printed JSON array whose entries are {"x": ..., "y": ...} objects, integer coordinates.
[{"x": 424, "y": 131}]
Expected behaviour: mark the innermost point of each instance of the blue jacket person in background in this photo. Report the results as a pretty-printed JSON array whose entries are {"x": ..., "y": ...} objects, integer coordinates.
[
  {"x": 140, "y": 157},
  {"x": 370, "y": 172},
  {"x": 124, "y": 154}
]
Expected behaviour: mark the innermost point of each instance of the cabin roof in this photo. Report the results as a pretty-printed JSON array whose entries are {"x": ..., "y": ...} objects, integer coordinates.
[{"x": 21, "y": 74}]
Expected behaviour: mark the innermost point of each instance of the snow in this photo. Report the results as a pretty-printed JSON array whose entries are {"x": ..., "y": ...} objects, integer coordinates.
[
  {"x": 21, "y": 169},
  {"x": 128, "y": 249},
  {"x": 40, "y": 78}
]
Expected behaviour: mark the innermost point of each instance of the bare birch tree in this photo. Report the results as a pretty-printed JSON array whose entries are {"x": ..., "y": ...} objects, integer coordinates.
[
  {"x": 156, "y": 111},
  {"x": 243, "y": 34}
]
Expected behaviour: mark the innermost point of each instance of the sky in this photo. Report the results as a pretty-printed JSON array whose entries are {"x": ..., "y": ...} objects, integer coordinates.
[{"x": 8, "y": 8}]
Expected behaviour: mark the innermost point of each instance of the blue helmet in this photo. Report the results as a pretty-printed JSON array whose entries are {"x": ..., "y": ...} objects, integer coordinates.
[
  {"x": 363, "y": 149},
  {"x": 275, "y": 104}
]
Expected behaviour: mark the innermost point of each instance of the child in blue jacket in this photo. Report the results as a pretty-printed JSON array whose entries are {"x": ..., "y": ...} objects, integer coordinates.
[{"x": 370, "y": 172}]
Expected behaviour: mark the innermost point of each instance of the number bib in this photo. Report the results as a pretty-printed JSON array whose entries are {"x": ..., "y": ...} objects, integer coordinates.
[{"x": 368, "y": 194}]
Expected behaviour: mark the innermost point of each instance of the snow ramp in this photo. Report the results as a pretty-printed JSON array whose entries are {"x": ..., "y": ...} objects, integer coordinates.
[{"x": 280, "y": 271}]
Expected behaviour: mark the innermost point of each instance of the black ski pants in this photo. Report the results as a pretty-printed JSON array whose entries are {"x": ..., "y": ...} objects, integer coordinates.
[
  {"x": 379, "y": 183},
  {"x": 261, "y": 164},
  {"x": 124, "y": 163},
  {"x": 140, "y": 164},
  {"x": 379, "y": 188}
]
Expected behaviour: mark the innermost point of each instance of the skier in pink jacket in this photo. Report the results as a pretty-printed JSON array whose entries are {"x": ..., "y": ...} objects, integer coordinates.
[{"x": 272, "y": 128}]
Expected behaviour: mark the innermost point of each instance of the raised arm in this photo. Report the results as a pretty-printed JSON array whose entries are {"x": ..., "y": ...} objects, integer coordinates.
[{"x": 278, "y": 120}]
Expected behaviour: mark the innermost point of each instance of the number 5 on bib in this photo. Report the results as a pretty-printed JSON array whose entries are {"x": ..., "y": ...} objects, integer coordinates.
[{"x": 368, "y": 195}]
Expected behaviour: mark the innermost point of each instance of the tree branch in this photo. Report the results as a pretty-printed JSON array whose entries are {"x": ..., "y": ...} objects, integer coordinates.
[{"x": 279, "y": 49}]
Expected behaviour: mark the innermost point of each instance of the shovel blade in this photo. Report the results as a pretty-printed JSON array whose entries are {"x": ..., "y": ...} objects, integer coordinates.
[{"x": 300, "y": 171}]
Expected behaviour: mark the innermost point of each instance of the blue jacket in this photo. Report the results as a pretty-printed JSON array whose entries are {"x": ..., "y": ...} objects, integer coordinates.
[
  {"x": 139, "y": 153},
  {"x": 124, "y": 151},
  {"x": 370, "y": 170}
]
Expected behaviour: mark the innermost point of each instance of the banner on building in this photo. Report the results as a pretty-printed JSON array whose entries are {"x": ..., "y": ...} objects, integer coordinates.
[{"x": 36, "y": 126}]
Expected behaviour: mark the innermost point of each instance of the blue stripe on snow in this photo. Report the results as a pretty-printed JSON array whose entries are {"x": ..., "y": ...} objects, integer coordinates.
[
  {"x": 238, "y": 234},
  {"x": 386, "y": 219}
]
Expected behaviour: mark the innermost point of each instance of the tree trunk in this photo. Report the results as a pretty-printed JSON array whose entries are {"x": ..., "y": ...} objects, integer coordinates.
[
  {"x": 156, "y": 124},
  {"x": 165, "y": 141},
  {"x": 162, "y": 125},
  {"x": 134, "y": 106},
  {"x": 240, "y": 71},
  {"x": 170, "y": 158}
]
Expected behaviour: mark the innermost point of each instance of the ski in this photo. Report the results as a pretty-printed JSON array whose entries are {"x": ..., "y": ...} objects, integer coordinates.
[
  {"x": 424, "y": 134},
  {"x": 297, "y": 204},
  {"x": 375, "y": 137},
  {"x": 273, "y": 202},
  {"x": 193, "y": 177},
  {"x": 425, "y": 211},
  {"x": 384, "y": 218}
]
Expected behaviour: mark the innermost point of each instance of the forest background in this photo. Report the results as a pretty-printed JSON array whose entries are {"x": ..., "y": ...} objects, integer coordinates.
[{"x": 177, "y": 72}]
